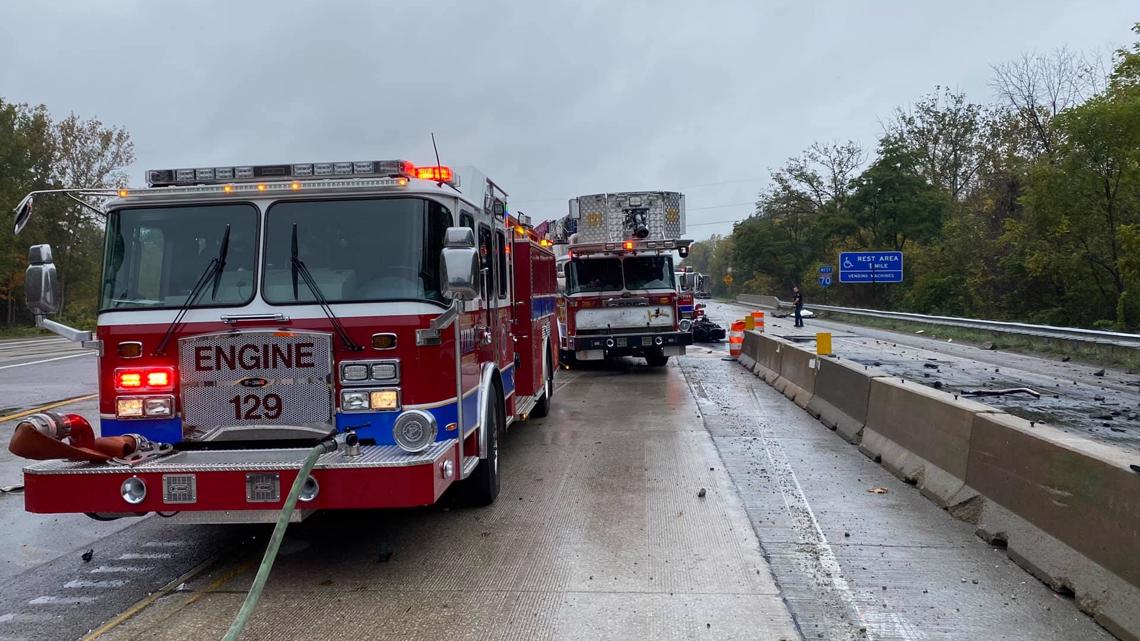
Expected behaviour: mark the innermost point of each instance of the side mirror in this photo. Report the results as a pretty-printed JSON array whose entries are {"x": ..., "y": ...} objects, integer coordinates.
[
  {"x": 499, "y": 208},
  {"x": 459, "y": 264},
  {"x": 41, "y": 284},
  {"x": 23, "y": 214}
]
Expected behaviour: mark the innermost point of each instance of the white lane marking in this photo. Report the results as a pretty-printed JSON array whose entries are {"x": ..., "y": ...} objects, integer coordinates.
[
  {"x": 115, "y": 569},
  {"x": 135, "y": 556},
  {"x": 163, "y": 544},
  {"x": 32, "y": 343},
  {"x": 61, "y": 600},
  {"x": 823, "y": 549},
  {"x": 893, "y": 626},
  {"x": 558, "y": 388},
  {"x": 48, "y": 360},
  {"x": 77, "y": 584},
  {"x": 30, "y": 617}
]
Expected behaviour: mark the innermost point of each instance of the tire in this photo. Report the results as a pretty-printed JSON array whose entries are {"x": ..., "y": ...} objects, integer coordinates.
[
  {"x": 656, "y": 359},
  {"x": 482, "y": 487},
  {"x": 542, "y": 407}
]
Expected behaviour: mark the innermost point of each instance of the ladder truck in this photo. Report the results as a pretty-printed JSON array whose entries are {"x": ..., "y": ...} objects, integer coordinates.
[{"x": 620, "y": 294}]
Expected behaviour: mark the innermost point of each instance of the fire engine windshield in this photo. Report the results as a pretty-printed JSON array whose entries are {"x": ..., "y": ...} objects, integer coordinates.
[
  {"x": 155, "y": 256},
  {"x": 615, "y": 274},
  {"x": 648, "y": 272},
  {"x": 593, "y": 275},
  {"x": 360, "y": 250}
]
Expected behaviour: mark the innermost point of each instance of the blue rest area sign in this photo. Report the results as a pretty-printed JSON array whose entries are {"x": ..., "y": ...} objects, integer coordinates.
[{"x": 870, "y": 267}]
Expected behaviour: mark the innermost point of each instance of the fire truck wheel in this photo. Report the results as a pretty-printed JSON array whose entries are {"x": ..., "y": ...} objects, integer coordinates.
[
  {"x": 542, "y": 407},
  {"x": 656, "y": 358},
  {"x": 481, "y": 488}
]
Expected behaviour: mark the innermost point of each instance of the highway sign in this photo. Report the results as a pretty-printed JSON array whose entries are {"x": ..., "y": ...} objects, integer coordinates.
[
  {"x": 728, "y": 279},
  {"x": 825, "y": 269},
  {"x": 871, "y": 267},
  {"x": 825, "y": 281}
]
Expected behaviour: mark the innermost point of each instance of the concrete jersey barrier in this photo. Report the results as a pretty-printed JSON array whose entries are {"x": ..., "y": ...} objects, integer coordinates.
[
  {"x": 1068, "y": 510},
  {"x": 797, "y": 374},
  {"x": 842, "y": 392},
  {"x": 922, "y": 435}
]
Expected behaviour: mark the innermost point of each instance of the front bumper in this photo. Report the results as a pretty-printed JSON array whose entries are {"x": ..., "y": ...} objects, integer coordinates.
[
  {"x": 228, "y": 480},
  {"x": 629, "y": 343}
]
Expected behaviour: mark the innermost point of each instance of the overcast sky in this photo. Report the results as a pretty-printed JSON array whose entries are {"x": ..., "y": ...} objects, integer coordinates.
[{"x": 551, "y": 100}]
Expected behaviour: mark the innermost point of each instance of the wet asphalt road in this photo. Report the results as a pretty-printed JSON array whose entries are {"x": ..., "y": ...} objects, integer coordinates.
[
  {"x": 599, "y": 534},
  {"x": 1073, "y": 398}
]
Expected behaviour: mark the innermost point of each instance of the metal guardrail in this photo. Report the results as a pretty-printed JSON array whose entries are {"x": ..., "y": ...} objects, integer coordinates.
[{"x": 1122, "y": 339}]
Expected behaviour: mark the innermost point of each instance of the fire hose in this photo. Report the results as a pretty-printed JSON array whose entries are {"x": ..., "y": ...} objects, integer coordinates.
[
  {"x": 47, "y": 436},
  {"x": 251, "y": 599}
]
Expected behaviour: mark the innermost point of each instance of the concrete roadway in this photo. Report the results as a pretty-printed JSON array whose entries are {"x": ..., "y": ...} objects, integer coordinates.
[{"x": 599, "y": 534}]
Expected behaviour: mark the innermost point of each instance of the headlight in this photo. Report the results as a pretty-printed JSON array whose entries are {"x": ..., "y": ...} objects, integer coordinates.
[
  {"x": 354, "y": 400},
  {"x": 158, "y": 406},
  {"x": 129, "y": 407},
  {"x": 414, "y": 431},
  {"x": 386, "y": 399},
  {"x": 360, "y": 400}
]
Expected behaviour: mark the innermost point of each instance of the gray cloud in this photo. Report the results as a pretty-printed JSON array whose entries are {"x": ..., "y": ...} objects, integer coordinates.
[{"x": 550, "y": 99}]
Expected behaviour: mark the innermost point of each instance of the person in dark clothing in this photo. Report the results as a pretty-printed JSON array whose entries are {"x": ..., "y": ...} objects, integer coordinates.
[{"x": 798, "y": 301}]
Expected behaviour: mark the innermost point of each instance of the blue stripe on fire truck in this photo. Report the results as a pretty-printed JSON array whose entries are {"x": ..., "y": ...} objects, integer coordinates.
[
  {"x": 377, "y": 426},
  {"x": 542, "y": 306},
  {"x": 159, "y": 430}
]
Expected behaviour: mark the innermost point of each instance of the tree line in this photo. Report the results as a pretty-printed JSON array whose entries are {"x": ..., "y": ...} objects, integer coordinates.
[
  {"x": 1025, "y": 208},
  {"x": 40, "y": 152}
]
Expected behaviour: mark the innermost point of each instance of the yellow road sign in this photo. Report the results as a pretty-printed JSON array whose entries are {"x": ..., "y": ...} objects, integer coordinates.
[{"x": 728, "y": 279}]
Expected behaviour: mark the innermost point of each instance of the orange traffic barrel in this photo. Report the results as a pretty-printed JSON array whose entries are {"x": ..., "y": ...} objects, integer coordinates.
[
  {"x": 736, "y": 339},
  {"x": 758, "y": 321}
]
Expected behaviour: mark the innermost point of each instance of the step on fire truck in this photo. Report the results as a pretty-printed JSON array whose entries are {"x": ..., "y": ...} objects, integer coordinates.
[
  {"x": 620, "y": 294},
  {"x": 394, "y": 315}
]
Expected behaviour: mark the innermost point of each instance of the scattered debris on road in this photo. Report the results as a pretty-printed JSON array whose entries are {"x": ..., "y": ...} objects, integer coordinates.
[
  {"x": 878, "y": 490},
  {"x": 88, "y": 555},
  {"x": 11, "y": 489},
  {"x": 988, "y": 346},
  {"x": 1099, "y": 372},
  {"x": 1001, "y": 392},
  {"x": 701, "y": 494}
]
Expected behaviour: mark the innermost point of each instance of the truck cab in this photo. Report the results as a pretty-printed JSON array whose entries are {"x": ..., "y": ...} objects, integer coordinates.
[{"x": 397, "y": 314}]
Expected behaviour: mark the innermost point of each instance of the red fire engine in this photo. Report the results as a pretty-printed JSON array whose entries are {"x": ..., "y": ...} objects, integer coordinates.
[
  {"x": 394, "y": 316},
  {"x": 620, "y": 293}
]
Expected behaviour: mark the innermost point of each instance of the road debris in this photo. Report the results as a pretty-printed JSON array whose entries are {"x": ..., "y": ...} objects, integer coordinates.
[
  {"x": 1001, "y": 392},
  {"x": 1099, "y": 372},
  {"x": 11, "y": 489},
  {"x": 701, "y": 493},
  {"x": 988, "y": 346},
  {"x": 878, "y": 490},
  {"x": 88, "y": 555}
]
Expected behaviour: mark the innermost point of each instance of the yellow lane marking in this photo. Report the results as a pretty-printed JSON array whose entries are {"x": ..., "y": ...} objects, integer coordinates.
[
  {"x": 49, "y": 406},
  {"x": 167, "y": 589}
]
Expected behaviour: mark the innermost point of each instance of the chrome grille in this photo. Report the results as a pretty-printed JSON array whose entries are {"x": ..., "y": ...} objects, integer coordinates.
[{"x": 256, "y": 385}]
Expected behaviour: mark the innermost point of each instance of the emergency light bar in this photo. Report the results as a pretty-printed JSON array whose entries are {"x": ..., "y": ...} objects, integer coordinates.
[
  {"x": 632, "y": 247},
  {"x": 261, "y": 173}
]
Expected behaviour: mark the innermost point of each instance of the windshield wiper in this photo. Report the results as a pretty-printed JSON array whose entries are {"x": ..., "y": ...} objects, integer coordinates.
[
  {"x": 298, "y": 267},
  {"x": 213, "y": 272}
]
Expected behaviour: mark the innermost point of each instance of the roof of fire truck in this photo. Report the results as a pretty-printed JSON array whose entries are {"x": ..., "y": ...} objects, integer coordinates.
[{"x": 309, "y": 179}]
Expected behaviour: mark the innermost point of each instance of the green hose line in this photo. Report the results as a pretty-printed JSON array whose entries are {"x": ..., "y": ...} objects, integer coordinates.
[{"x": 263, "y": 570}]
